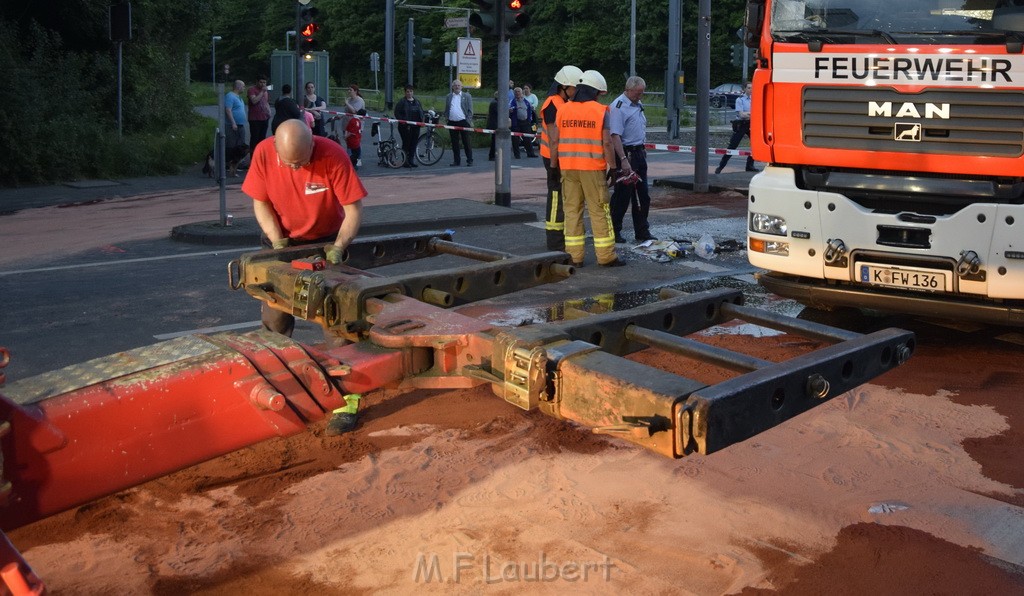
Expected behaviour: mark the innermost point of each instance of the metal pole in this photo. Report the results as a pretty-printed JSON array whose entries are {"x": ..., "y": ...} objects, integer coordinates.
[
  {"x": 632, "y": 38},
  {"x": 700, "y": 165},
  {"x": 213, "y": 62},
  {"x": 674, "y": 43},
  {"x": 389, "y": 54},
  {"x": 120, "y": 45},
  {"x": 409, "y": 33},
  {"x": 219, "y": 150},
  {"x": 503, "y": 142},
  {"x": 297, "y": 87}
]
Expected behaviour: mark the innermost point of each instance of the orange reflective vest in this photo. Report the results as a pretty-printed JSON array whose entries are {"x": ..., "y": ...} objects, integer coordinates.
[
  {"x": 545, "y": 137},
  {"x": 580, "y": 138}
]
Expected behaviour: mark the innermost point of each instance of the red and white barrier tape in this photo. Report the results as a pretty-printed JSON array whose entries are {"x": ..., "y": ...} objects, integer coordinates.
[{"x": 651, "y": 146}]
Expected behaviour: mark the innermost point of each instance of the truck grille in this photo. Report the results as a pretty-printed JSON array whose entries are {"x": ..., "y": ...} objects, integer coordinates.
[{"x": 980, "y": 122}]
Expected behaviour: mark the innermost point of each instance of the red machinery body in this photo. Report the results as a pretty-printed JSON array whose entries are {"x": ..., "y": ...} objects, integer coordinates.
[{"x": 89, "y": 430}]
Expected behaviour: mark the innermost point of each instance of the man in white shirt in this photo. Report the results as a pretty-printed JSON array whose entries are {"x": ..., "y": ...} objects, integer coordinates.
[{"x": 458, "y": 109}]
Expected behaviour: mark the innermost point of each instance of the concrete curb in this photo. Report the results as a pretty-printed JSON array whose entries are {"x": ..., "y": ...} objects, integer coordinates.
[{"x": 377, "y": 220}]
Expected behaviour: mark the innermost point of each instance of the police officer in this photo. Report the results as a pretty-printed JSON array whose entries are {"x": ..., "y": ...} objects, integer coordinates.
[
  {"x": 562, "y": 90},
  {"x": 740, "y": 127},
  {"x": 581, "y": 145},
  {"x": 628, "y": 126}
]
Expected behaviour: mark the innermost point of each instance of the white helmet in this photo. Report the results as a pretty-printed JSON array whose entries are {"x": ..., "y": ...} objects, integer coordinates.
[
  {"x": 595, "y": 80},
  {"x": 569, "y": 76}
]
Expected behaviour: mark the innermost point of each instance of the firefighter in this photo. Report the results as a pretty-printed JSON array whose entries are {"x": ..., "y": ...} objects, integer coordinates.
[
  {"x": 581, "y": 146},
  {"x": 562, "y": 90}
]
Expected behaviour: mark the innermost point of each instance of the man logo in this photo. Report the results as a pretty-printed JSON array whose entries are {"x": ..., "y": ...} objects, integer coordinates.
[{"x": 904, "y": 131}]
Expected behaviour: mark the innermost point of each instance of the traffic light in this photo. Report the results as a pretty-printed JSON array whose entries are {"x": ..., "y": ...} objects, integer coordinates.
[
  {"x": 421, "y": 46},
  {"x": 486, "y": 19},
  {"x": 737, "y": 54},
  {"x": 308, "y": 28},
  {"x": 515, "y": 18}
]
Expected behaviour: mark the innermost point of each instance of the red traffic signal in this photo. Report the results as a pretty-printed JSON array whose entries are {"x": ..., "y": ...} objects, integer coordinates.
[
  {"x": 308, "y": 28},
  {"x": 515, "y": 18}
]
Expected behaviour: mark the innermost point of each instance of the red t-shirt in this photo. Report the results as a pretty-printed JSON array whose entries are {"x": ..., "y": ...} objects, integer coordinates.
[
  {"x": 355, "y": 130},
  {"x": 308, "y": 201}
]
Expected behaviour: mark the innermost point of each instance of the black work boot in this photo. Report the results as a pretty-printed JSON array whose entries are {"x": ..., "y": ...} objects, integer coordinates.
[{"x": 341, "y": 423}]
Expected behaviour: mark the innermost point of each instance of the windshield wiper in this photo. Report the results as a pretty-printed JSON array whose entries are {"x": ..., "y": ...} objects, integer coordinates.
[{"x": 815, "y": 33}]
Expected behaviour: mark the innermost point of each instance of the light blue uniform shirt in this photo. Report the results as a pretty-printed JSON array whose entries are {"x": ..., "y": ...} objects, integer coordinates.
[
  {"x": 743, "y": 104},
  {"x": 627, "y": 120}
]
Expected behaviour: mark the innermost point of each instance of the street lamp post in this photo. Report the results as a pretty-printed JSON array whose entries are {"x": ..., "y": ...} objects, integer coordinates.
[
  {"x": 287, "y": 34},
  {"x": 213, "y": 60}
]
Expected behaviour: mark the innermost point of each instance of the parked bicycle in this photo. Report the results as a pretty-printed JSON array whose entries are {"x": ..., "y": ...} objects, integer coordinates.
[
  {"x": 430, "y": 146},
  {"x": 389, "y": 153}
]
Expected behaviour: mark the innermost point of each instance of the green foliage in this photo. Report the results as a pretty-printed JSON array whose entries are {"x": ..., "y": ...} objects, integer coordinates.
[
  {"x": 202, "y": 94},
  {"x": 63, "y": 70}
]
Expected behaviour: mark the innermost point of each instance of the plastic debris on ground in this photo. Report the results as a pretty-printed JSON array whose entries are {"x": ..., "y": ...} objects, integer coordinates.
[
  {"x": 887, "y": 508},
  {"x": 661, "y": 251}
]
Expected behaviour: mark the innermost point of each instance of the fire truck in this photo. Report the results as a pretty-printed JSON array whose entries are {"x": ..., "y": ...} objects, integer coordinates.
[{"x": 894, "y": 137}]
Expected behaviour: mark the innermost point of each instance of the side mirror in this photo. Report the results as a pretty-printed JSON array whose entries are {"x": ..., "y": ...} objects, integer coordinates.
[{"x": 753, "y": 21}]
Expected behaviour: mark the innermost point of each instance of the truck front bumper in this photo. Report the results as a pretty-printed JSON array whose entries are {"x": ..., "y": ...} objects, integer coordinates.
[{"x": 819, "y": 294}]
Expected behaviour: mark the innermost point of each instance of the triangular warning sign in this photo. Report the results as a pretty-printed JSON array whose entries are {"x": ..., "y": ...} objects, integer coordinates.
[{"x": 469, "y": 50}]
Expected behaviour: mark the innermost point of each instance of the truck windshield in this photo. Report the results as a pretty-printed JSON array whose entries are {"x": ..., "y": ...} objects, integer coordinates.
[{"x": 869, "y": 21}]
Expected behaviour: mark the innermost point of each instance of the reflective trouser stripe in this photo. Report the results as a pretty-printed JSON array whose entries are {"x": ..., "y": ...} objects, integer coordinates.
[
  {"x": 587, "y": 188},
  {"x": 554, "y": 211}
]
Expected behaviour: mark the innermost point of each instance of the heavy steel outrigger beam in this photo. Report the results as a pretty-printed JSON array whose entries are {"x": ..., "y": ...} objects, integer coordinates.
[{"x": 93, "y": 429}]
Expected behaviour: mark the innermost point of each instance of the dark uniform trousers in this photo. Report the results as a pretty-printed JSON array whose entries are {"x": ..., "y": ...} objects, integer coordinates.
[
  {"x": 554, "y": 215},
  {"x": 635, "y": 195},
  {"x": 741, "y": 128}
]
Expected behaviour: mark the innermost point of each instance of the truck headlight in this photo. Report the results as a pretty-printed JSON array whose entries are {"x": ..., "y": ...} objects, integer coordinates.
[{"x": 763, "y": 223}]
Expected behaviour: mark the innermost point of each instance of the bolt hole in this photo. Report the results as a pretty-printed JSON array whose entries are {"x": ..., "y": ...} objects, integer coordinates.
[
  {"x": 668, "y": 321},
  {"x": 709, "y": 312},
  {"x": 886, "y": 356},
  {"x": 981, "y": 218},
  {"x": 778, "y": 399},
  {"x": 461, "y": 285},
  {"x": 1009, "y": 220},
  {"x": 807, "y": 205},
  {"x": 419, "y": 246},
  {"x": 499, "y": 278},
  {"x": 378, "y": 250},
  {"x": 538, "y": 272},
  {"x": 847, "y": 369},
  {"x": 597, "y": 338}
]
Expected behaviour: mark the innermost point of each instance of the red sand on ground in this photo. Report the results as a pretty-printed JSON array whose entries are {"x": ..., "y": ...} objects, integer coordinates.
[
  {"x": 461, "y": 473},
  {"x": 491, "y": 494}
]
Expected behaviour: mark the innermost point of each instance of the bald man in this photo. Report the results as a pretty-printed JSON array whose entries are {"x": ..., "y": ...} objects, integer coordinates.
[{"x": 304, "y": 191}]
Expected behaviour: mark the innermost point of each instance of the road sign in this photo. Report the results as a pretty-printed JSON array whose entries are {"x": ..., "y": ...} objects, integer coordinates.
[
  {"x": 470, "y": 58},
  {"x": 456, "y": 22}
]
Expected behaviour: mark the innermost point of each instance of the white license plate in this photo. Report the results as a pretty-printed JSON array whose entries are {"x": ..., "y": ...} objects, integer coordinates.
[{"x": 909, "y": 278}]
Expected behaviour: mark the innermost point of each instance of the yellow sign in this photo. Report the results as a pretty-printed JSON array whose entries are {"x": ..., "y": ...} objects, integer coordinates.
[{"x": 470, "y": 81}]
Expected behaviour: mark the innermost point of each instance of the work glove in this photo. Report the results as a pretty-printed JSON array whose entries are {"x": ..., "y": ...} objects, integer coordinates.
[
  {"x": 611, "y": 177},
  {"x": 333, "y": 252},
  {"x": 279, "y": 244}
]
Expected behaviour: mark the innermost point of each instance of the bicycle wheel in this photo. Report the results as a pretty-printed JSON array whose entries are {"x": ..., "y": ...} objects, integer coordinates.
[
  {"x": 429, "y": 148},
  {"x": 395, "y": 156}
]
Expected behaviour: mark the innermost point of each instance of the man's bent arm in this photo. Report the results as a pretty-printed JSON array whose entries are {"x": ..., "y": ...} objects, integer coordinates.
[
  {"x": 267, "y": 219},
  {"x": 350, "y": 226}
]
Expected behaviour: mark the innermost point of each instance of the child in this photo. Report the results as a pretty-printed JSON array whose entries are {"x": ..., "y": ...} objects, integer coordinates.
[{"x": 354, "y": 138}]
